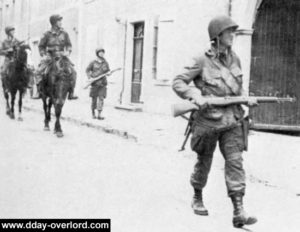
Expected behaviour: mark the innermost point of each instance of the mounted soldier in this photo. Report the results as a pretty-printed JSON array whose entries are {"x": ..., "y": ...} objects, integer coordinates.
[
  {"x": 7, "y": 51},
  {"x": 54, "y": 44}
]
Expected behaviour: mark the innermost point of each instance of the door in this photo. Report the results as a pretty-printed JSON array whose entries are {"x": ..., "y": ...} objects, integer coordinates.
[
  {"x": 275, "y": 64},
  {"x": 138, "y": 42}
]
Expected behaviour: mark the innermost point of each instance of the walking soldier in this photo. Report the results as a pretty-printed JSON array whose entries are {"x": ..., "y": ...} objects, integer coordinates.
[{"x": 217, "y": 73}]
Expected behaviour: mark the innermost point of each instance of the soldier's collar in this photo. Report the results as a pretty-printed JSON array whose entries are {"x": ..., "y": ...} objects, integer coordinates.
[
  {"x": 56, "y": 30},
  {"x": 100, "y": 60},
  {"x": 213, "y": 52},
  {"x": 10, "y": 38}
]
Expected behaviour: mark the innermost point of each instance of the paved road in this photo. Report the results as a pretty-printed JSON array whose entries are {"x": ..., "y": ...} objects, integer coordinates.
[{"x": 89, "y": 174}]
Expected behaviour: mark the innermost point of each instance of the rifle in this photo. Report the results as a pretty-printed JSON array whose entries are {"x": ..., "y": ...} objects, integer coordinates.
[
  {"x": 89, "y": 82},
  {"x": 187, "y": 132},
  {"x": 4, "y": 51},
  {"x": 179, "y": 109}
]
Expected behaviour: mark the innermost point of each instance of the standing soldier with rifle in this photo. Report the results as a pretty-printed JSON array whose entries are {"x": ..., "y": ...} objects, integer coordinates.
[
  {"x": 54, "y": 44},
  {"x": 98, "y": 90},
  {"x": 217, "y": 73}
]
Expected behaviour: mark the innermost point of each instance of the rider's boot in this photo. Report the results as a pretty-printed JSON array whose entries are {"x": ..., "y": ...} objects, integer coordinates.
[
  {"x": 72, "y": 96},
  {"x": 39, "y": 90}
]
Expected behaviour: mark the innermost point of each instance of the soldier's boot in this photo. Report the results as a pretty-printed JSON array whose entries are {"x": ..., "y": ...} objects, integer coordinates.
[
  {"x": 93, "y": 114},
  {"x": 99, "y": 115},
  {"x": 72, "y": 96},
  {"x": 198, "y": 205},
  {"x": 240, "y": 218}
]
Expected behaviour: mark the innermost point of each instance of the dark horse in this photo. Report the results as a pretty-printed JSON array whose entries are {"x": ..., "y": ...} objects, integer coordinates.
[
  {"x": 17, "y": 79},
  {"x": 54, "y": 90}
]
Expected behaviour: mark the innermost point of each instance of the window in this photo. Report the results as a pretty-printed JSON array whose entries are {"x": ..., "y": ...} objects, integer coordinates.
[{"x": 155, "y": 43}]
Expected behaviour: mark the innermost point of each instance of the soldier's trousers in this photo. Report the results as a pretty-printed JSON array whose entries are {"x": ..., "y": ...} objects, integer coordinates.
[
  {"x": 97, "y": 103},
  {"x": 231, "y": 143}
]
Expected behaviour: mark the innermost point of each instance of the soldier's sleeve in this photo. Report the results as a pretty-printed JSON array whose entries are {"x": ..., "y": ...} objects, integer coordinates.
[
  {"x": 43, "y": 44},
  {"x": 89, "y": 69},
  {"x": 181, "y": 82},
  {"x": 2, "y": 53},
  {"x": 68, "y": 44},
  {"x": 240, "y": 77}
]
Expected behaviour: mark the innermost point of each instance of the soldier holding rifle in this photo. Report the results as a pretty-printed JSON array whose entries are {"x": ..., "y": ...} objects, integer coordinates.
[
  {"x": 9, "y": 45},
  {"x": 217, "y": 73},
  {"x": 99, "y": 88}
]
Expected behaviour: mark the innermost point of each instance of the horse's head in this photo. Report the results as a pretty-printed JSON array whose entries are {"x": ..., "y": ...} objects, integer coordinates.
[
  {"x": 21, "y": 54},
  {"x": 64, "y": 66}
]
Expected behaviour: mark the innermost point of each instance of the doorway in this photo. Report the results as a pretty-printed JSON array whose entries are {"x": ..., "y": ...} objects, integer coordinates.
[
  {"x": 275, "y": 64},
  {"x": 137, "y": 66}
]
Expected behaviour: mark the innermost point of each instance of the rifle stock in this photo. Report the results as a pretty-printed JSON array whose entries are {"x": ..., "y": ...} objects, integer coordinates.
[{"x": 182, "y": 108}]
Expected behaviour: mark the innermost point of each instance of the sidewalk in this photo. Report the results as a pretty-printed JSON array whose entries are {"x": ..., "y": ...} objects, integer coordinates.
[{"x": 144, "y": 128}]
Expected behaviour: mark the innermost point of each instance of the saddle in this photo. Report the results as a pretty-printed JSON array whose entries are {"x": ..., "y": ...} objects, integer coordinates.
[{"x": 61, "y": 65}]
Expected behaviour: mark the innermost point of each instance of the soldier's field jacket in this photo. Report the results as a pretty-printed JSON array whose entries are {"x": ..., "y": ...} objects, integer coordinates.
[
  {"x": 6, "y": 44},
  {"x": 213, "y": 74},
  {"x": 55, "y": 41},
  {"x": 97, "y": 68}
]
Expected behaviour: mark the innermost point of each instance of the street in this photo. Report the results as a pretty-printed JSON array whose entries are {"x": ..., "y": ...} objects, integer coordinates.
[{"x": 91, "y": 174}]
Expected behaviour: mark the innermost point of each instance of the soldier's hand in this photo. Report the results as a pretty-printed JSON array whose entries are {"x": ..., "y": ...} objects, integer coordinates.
[
  {"x": 200, "y": 101},
  {"x": 9, "y": 50},
  {"x": 252, "y": 103},
  {"x": 44, "y": 57},
  {"x": 66, "y": 53}
]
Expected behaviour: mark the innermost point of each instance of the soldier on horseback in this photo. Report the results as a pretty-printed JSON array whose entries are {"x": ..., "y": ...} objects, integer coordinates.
[
  {"x": 55, "y": 43},
  {"x": 7, "y": 51}
]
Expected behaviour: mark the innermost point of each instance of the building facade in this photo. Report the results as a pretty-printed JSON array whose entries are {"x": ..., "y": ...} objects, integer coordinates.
[{"x": 151, "y": 40}]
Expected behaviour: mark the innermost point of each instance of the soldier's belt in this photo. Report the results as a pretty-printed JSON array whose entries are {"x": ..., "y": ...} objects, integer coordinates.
[{"x": 55, "y": 48}]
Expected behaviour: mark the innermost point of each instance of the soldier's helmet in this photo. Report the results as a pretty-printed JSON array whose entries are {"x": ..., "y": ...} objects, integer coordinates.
[
  {"x": 55, "y": 18},
  {"x": 9, "y": 29},
  {"x": 219, "y": 24},
  {"x": 99, "y": 50}
]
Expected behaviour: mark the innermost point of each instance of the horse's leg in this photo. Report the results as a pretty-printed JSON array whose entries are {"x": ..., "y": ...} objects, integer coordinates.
[
  {"x": 5, "y": 92},
  {"x": 6, "y": 95},
  {"x": 58, "y": 130},
  {"x": 12, "y": 103},
  {"x": 20, "y": 105},
  {"x": 49, "y": 109},
  {"x": 46, "y": 121}
]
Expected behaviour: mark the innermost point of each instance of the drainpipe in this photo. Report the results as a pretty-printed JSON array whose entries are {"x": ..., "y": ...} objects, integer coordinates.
[
  {"x": 124, "y": 59},
  {"x": 230, "y": 8}
]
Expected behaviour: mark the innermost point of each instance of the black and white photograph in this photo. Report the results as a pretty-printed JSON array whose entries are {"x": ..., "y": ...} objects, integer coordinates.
[{"x": 150, "y": 115}]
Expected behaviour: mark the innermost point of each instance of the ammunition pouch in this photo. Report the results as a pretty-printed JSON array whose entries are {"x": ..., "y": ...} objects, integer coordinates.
[{"x": 212, "y": 113}]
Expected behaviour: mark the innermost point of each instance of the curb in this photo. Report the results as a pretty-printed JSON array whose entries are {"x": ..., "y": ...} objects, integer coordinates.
[{"x": 117, "y": 132}]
